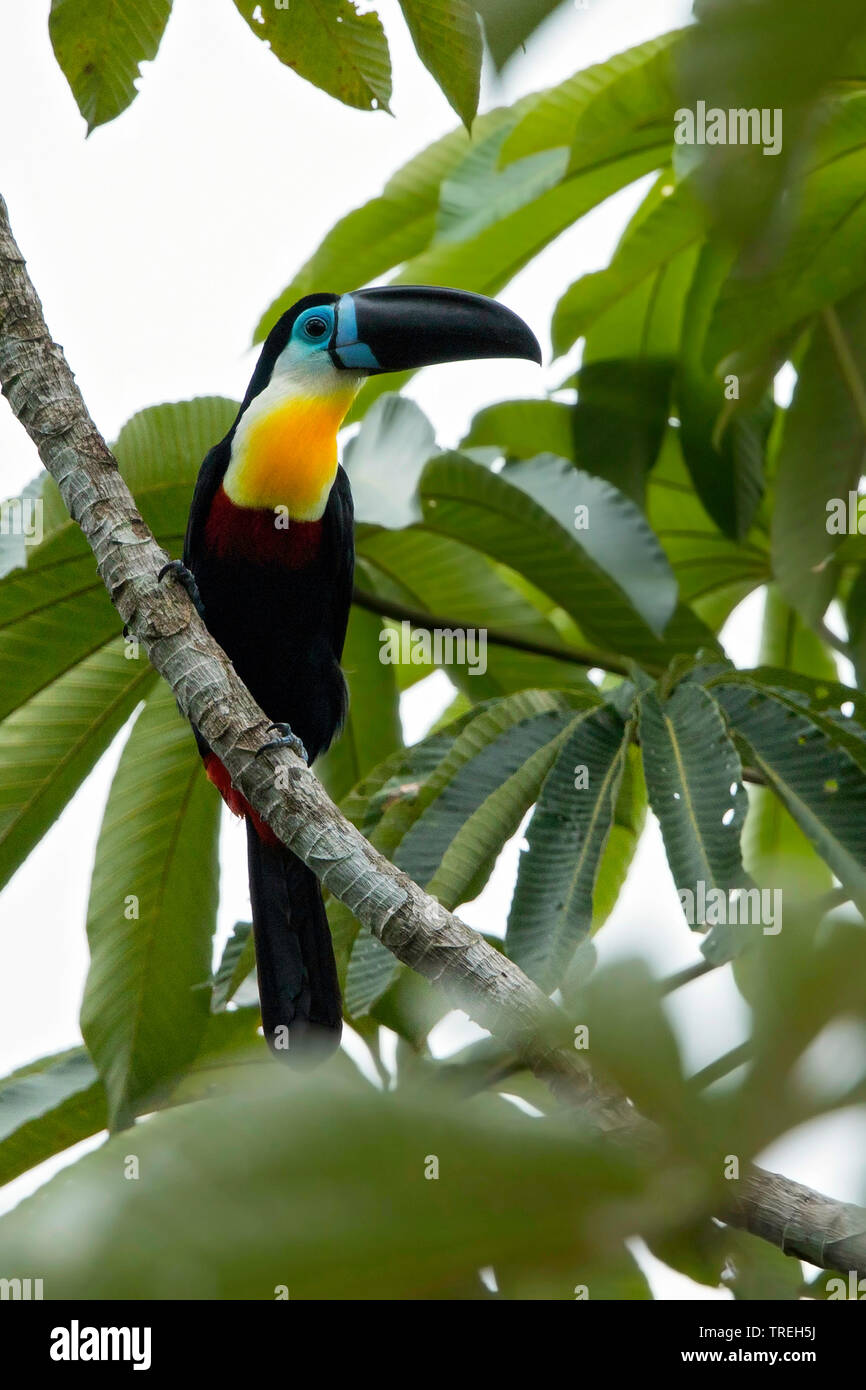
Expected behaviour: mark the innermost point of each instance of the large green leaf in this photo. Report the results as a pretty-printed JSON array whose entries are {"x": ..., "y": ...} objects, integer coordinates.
[
  {"x": 524, "y": 428},
  {"x": 552, "y": 908},
  {"x": 819, "y": 260},
  {"x": 372, "y": 728},
  {"x": 771, "y": 55},
  {"x": 100, "y": 45},
  {"x": 152, "y": 910},
  {"x": 773, "y": 843},
  {"x": 385, "y": 460},
  {"x": 643, "y": 319},
  {"x": 55, "y": 612},
  {"x": 447, "y": 37},
  {"x": 319, "y": 1188},
  {"x": 723, "y": 444},
  {"x": 372, "y": 239},
  {"x": 820, "y": 783},
  {"x": 479, "y": 193},
  {"x": 714, "y": 572},
  {"x": 610, "y": 575},
  {"x": 385, "y": 803},
  {"x": 487, "y": 261},
  {"x": 672, "y": 222},
  {"x": 621, "y": 418},
  {"x": 695, "y": 787},
  {"x": 624, "y": 102},
  {"x": 508, "y": 25},
  {"x": 449, "y": 837},
  {"x": 237, "y": 963},
  {"x": 49, "y": 744},
  {"x": 331, "y": 44},
  {"x": 457, "y": 584},
  {"x": 47, "y": 1107},
  {"x": 820, "y": 456}
]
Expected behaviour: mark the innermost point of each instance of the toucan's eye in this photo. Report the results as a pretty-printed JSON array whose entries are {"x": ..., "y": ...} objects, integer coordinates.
[{"x": 316, "y": 327}]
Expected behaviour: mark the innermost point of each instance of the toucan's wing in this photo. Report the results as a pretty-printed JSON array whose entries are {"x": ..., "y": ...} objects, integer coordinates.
[
  {"x": 210, "y": 475},
  {"x": 339, "y": 539}
]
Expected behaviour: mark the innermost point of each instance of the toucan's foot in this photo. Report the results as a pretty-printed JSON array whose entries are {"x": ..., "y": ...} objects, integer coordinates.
[
  {"x": 287, "y": 739},
  {"x": 186, "y": 579}
]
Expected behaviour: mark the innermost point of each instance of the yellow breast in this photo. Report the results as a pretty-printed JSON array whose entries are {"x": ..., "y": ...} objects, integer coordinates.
[{"x": 284, "y": 453}]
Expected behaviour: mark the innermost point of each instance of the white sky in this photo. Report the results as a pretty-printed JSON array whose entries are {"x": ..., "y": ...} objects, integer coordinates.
[{"x": 155, "y": 246}]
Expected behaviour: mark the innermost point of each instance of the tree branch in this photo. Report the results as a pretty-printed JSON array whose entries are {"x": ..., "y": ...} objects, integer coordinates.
[
  {"x": 580, "y": 656},
  {"x": 40, "y": 387}
]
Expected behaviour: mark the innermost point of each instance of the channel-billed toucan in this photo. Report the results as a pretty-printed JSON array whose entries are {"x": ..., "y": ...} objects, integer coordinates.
[{"x": 269, "y": 558}]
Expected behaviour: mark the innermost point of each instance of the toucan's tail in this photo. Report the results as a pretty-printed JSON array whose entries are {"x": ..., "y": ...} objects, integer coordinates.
[{"x": 298, "y": 986}]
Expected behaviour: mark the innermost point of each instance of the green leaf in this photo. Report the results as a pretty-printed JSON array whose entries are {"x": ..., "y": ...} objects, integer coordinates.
[
  {"x": 629, "y": 818},
  {"x": 152, "y": 911},
  {"x": 385, "y": 460},
  {"x": 821, "y": 785},
  {"x": 552, "y": 909},
  {"x": 55, "y": 612},
  {"x": 49, "y": 744},
  {"x": 694, "y": 781},
  {"x": 723, "y": 444},
  {"x": 524, "y": 428},
  {"x": 507, "y": 26},
  {"x": 451, "y": 835},
  {"x": 611, "y": 574},
  {"x": 644, "y": 320},
  {"x": 329, "y": 43},
  {"x": 372, "y": 729},
  {"x": 100, "y": 45},
  {"x": 388, "y": 230},
  {"x": 672, "y": 222},
  {"x": 769, "y": 54},
  {"x": 237, "y": 963},
  {"x": 758, "y": 1271},
  {"x": 479, "y": 193},
  {"x": 633, "y": 1044},
  {"x": 604, "y": 109},
  {"x": 855, "y": 621},
  {"x": 262, "y": 1191},
  {"x": 47, "y": 1107},
  {"x": 819, "y": 261},
  {"x": 458, "y": 585},
  {"x": 489, "y": 260},
  {"x": 620, "y": 420},
  {"x": 714, "y": 572},
  {"x": 825, "y": 422},
  {"x": 774, "y": 846},
  {"x": 447, "y": 38},
  {"x": 53, "y": 615}
]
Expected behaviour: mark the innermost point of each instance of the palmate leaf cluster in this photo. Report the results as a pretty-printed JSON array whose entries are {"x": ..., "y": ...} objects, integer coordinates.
[{"x": 612, "y": 527}]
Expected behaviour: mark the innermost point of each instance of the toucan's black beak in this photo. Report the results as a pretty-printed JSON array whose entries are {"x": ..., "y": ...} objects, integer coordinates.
[{"x": 401, "y": 326}]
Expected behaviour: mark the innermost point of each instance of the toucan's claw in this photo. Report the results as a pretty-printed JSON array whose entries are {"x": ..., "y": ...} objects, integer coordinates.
[
  {"x": 186, "y": 579},
  {"x": 287, "y": 739}
]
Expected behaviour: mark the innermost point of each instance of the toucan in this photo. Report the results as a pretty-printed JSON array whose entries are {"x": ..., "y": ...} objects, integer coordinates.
[{"x": 268, "y": 560}]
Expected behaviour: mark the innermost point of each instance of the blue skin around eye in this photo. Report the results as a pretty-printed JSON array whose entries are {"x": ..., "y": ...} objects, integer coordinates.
[{"x": 325, "y": 313}]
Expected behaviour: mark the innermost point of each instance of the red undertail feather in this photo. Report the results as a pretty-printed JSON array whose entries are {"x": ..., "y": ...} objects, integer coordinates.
[{"x": 235, "y": 800}]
